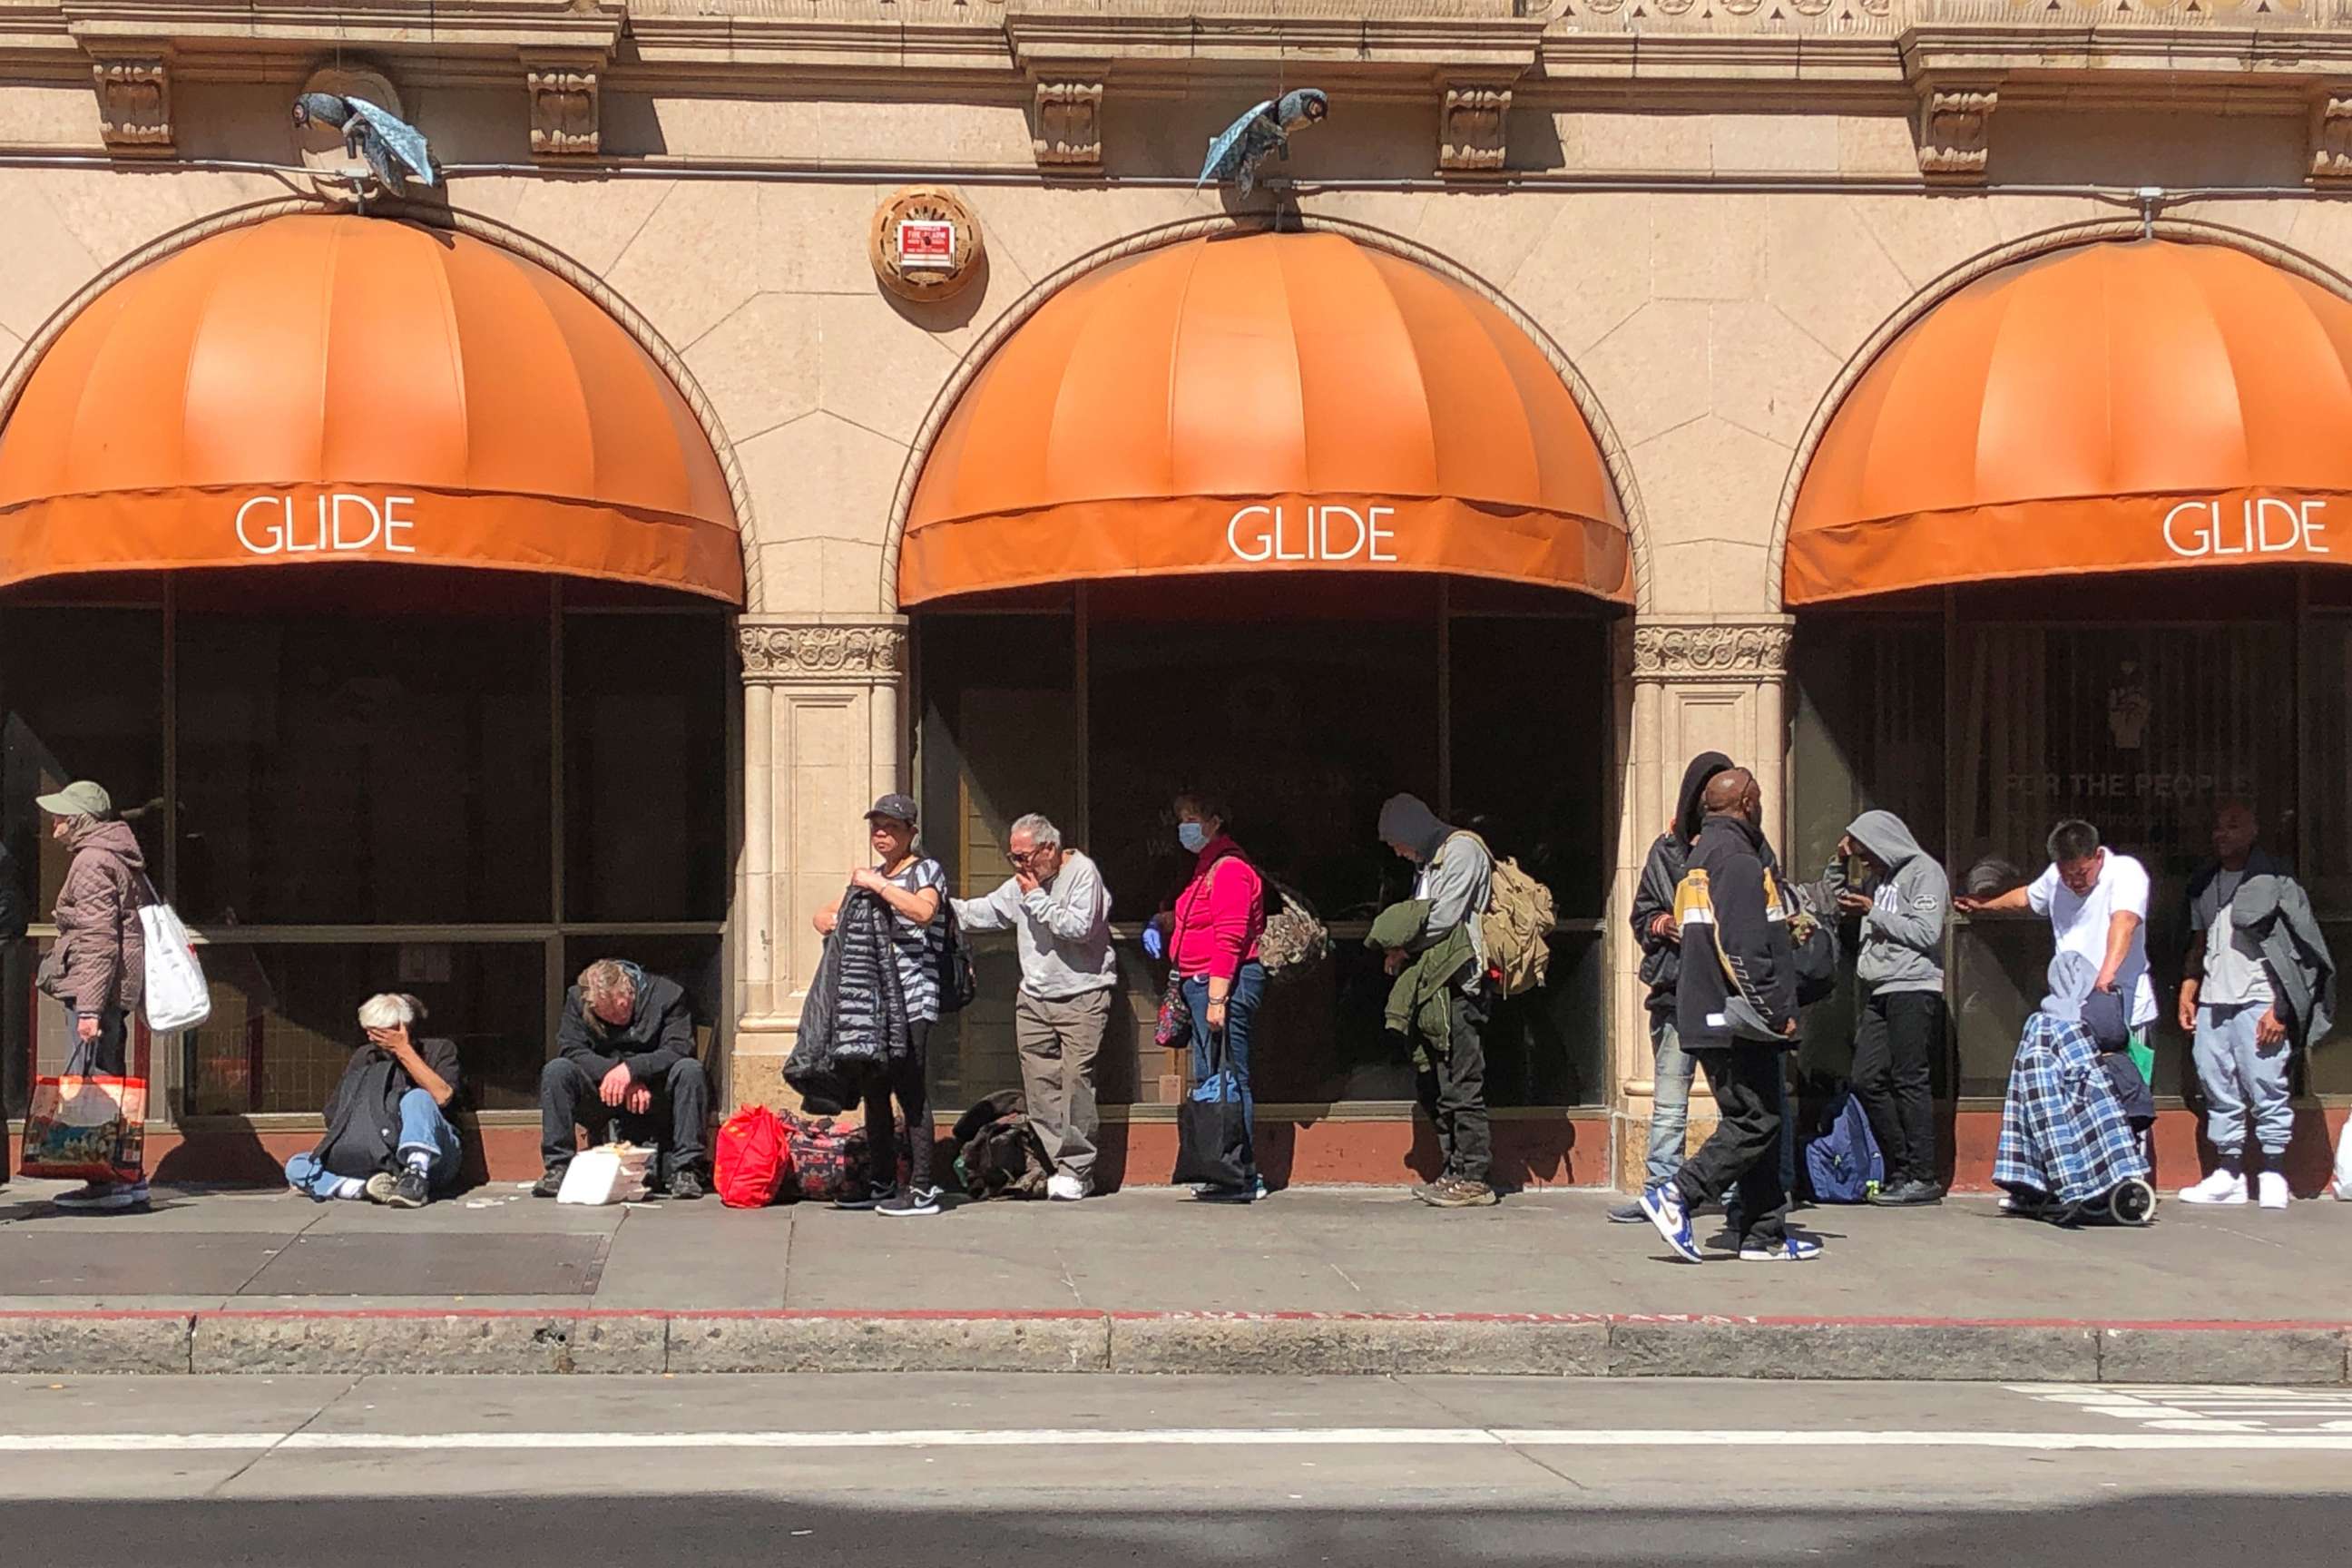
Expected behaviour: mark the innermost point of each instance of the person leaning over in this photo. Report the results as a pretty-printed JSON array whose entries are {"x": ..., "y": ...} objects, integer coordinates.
[
  {"x": 626, "y": 1043},
  {"x": 1436, "y": 931},
  {"x": 388, "y": 1135},
  {"x": 1056, "y": 905},
  {"x": 1736, "y": 1009}
]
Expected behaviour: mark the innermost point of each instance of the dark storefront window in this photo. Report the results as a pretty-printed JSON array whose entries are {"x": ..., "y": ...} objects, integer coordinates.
[
  {"x": 1305, "y": 707},
  {"x": 361, "y": 781},
  {"x": 2139, "y": 707}
]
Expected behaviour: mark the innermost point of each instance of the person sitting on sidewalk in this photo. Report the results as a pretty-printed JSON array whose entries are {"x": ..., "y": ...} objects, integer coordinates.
[
  {"x": 388, "y": 1135},
  {"x": 1056, "y": 906},
  {"x": 2260, "y": 983},
  {"x": 627, "y": 1041},
  {"x": 1436, "y": 950}
]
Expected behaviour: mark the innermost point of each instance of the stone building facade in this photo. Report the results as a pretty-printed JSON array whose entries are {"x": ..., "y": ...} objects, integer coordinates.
[{"x": 1708, "y": 219}]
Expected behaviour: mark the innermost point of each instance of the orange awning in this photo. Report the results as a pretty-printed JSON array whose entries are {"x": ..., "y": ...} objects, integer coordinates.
[
  {"x": 2113, "y": 407},
  {"x": 1264, "y": 402},
  {"x": 344, "y": 388}
]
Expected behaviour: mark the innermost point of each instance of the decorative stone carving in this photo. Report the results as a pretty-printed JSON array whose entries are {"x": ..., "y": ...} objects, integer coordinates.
[
  {"x": 1472, "y": 129},
  {"x": 1702, "y": 652},
  {"x": 565, "y": 109},
  {"x": 773, "y": 655},
  {"x": 134, "y": 102},
  {"x": 1068, "y": 125},
  {"x": 1953, "y": 126},
  {"x": 925, "y": 244},
  {"x": 2331, "y": 137}
]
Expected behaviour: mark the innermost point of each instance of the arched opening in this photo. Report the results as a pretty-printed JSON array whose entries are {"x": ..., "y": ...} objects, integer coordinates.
[
  {"x": 1304, "y": 523},
  {"x": 2066, "y": 549},
  {"x": 383, "y": 580}
]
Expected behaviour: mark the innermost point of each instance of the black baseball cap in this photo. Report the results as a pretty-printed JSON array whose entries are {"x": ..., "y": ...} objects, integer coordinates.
[{"x": 897, "y": 807}]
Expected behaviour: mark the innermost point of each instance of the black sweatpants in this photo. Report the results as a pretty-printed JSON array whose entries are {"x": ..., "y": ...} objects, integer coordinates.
[
  {"x": 1745, "y": 1148},
  {"x": 906, "y": 1081},
  {"x": 1453, "y": 1089},
  {"x": 677, "y": 1123},
  {"x": 1893, "y": 1052}
]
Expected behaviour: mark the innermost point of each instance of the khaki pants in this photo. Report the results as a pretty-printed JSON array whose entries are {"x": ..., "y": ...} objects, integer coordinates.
[{"x": 1058, "y": 1043}]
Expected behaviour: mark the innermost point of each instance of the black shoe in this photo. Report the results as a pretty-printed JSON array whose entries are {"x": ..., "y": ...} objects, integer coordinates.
[
  {"x": 1907, "y": 1195},
  {"x": 685, "y": 1186},
  {"x": 873, "y": 1198},
  {"x": 910, "y": 1203},
  {"x": 1628, "y": 1213},
  {"x": 548, "y": 1184},
  {"x": 408, "y": 1190}
]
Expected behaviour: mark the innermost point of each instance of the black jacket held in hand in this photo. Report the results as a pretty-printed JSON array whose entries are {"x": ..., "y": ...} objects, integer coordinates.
[
  {"x": 855, "y": 1018},
  {"x": 658, "y": 1036},
  {"x": 1734, "y": 940}
]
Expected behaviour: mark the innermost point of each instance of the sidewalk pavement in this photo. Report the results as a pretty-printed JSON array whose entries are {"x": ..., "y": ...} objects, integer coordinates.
[{"x": 1313, "y": 1280}]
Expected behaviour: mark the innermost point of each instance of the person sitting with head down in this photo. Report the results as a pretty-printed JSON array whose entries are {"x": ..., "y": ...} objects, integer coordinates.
[{"x": 388, "y": 1135}]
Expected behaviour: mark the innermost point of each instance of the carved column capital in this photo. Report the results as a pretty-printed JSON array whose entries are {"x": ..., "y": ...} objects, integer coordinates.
[
  {"x": 134, "y": 78},
  {"x": 1065, "y": 126},
  {"x": 1474, "y": 128},
  {"x": 2331, "y": 136},
  {"x": 564, "y": 91},
  {"x": 782, "y": 653},
  {"x": 1714, "y": 651},
  {"x": 1954, "y": 125}
]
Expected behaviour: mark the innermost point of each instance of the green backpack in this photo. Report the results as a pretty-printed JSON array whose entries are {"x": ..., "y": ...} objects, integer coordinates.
[{"x": 1516, "y": 925}]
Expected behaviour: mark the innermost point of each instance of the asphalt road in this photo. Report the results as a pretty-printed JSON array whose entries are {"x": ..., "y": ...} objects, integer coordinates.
[{"x": 1071, "y": 1472}]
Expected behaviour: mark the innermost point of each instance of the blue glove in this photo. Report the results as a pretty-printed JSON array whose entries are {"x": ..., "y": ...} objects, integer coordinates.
[{"x": 1154, "y": 945}]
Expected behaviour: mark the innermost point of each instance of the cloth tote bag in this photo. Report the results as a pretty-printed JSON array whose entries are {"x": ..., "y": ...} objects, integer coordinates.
[
  {"x": 1212, "y": 1138},
  {"x": 176, "y": 995}
]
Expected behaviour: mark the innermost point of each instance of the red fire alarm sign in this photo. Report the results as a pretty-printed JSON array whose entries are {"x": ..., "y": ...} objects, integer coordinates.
[{"x": 926, "y": 245}]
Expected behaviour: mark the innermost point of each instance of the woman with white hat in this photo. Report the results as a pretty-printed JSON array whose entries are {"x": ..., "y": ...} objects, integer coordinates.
[{"x": 98, "y": 966}]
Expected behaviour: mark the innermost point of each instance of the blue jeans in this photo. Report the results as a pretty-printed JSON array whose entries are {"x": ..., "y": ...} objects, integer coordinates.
[
  {"x": 422, "y": 1126},
  {"x": 1241, "y": 1017},
  {"x": 1670, "y": 1101}
]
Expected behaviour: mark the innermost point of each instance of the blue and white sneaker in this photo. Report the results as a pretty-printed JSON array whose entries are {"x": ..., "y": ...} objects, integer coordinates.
[
  {"x": 1788, "y": 1249},
  {"x": 1664, "y": 1205}
]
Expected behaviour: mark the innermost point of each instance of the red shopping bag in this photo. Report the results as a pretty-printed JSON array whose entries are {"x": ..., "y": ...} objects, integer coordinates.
[
  {"x": 86, "y": 1129},
  {"x": 752, "y": 1160}
]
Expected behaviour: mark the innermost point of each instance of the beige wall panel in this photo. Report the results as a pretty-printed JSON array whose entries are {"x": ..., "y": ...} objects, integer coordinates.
[
  {"x": 759, "y": 366},
  {"x": 1583, "y": 279}
]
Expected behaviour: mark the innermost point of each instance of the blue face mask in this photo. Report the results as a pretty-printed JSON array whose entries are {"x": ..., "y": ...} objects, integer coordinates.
[{"x": 1193, "y": 836}]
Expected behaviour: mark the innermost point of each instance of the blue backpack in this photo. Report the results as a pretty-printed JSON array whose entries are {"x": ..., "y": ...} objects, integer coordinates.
[{"x": 1844, "y": 1162}]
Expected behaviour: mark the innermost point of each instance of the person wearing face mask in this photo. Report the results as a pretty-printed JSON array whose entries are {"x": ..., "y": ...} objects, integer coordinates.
[{"x": 1211, "y": 940}]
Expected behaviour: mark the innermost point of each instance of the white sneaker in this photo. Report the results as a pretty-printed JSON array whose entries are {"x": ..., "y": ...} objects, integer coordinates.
[
  {"x": 1064, "y": 1189},
  {"x": 2220, "y": 1187},
  {"x": 2273, "y": 1189}
]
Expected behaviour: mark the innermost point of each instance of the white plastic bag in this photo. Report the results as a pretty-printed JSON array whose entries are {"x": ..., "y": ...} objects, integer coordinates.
[
  {"x": 176, "y": 995},
  {"x": 612, "y": 1174},
  {"x": 2344, "y": 1164}
]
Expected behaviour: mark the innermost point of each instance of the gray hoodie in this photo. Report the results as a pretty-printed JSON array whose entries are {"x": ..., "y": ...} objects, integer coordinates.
[{"x": 1903, "y": 933}]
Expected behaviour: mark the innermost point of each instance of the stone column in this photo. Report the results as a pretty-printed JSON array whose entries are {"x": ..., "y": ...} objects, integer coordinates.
[
  {"x": 821, "y": 701},
  {"x": 1700, "y": 684}
]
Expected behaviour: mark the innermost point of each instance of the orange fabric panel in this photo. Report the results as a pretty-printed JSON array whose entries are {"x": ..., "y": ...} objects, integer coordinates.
[
  {"x": 248, "y": 526},
  {"x": 1147, "y": 401},
  {"x": 1082, "y": 541},
  {"x": 2048, "y": 417},
  {"x": 339, "y": 353}
]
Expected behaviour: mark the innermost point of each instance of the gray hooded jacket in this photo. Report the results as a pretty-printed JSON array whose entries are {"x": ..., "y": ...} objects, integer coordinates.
[
  {"x": 1903, "y": 933},
  {"x": 2272, "y": 916}
]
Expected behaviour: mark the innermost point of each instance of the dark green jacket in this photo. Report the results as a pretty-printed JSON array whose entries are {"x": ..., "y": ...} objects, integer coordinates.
[{"x": 1419, "y": 1001}]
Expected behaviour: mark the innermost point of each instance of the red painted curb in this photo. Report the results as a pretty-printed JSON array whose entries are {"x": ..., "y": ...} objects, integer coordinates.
[{"x": 948, "y": 1315}]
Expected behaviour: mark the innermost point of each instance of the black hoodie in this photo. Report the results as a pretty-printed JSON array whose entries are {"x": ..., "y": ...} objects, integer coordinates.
[
  {"x": 1735, "y": 938},
  {"x": 1662, "y": 873}
]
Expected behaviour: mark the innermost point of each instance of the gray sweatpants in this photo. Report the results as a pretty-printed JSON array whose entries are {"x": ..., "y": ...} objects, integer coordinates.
[
  {"x": 1058, "y": 1042},
  {"x": 2241, "y": 1074}
]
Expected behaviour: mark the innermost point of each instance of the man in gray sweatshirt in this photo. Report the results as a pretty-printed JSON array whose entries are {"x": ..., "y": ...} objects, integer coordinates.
[{"x": 1900, "y": 965}]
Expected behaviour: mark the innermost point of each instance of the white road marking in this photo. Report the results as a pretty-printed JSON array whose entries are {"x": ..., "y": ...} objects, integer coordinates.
[
  {"x": 2208, "y": 1408},
  {"x": 1337, "y": 1437}
]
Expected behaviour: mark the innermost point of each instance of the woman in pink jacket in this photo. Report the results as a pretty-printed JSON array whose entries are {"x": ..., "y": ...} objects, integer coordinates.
[{"x": 1212, "y": 945}]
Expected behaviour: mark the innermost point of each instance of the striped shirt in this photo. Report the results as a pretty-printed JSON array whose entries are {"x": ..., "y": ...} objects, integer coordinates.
[{"x": 920, "y": 947}]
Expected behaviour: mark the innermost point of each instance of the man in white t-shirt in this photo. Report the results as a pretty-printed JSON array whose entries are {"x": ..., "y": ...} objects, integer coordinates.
[{"x": 2097, "y": 903}]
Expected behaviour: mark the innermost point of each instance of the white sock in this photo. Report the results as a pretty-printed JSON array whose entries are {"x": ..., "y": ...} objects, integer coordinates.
[
  {"x": 349, "y": 1187},
  {"x": 419, "y": 1159}
]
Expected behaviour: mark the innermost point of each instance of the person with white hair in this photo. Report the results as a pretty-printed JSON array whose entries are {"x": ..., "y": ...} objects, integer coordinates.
[
  {"x": 388, "y": 1138},
  {"x": 1056, "y": 905}
]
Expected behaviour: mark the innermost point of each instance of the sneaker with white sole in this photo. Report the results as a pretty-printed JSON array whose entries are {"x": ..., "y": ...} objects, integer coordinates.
[
  {"x": 381, "y": 1186},
  {"x": 910, "y": 1203},
  {"x": 102, "y": 1196},
  {"x": 1788, "y": 1249},
  {"x": 2220, "y": 1187},
  {"x": 2274, "y": 1189},
  {"x": 1064, "y": 1189},
  {"x": 1664, "y": 1205}
]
